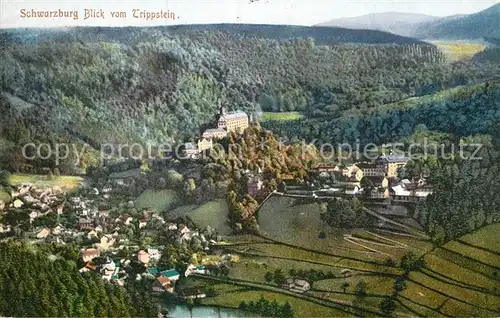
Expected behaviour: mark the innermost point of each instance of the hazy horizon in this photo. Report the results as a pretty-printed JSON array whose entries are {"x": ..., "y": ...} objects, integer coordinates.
[{"x": 285, "y": 12}]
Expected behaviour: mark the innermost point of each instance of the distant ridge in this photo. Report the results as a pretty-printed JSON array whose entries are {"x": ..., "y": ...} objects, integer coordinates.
[
  {"x": 400, "y": 23},
  {"x": 321, "y": 35},
  {"x": 480, "y": 25},
  {"x": 485, "y": 23}
]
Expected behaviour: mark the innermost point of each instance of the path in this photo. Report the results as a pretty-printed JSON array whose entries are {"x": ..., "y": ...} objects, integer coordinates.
[{"x": 344, "y": 306}]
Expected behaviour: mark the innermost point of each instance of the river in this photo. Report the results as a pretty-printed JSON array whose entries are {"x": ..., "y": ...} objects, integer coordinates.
[{"x": 181, "y": 311}]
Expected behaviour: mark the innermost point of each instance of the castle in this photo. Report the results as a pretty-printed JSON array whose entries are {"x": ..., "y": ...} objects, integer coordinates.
[{"x": 235, "y": 122}]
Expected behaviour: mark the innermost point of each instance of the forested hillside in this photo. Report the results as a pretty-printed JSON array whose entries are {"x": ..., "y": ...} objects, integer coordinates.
[
  {"x": 157, "y": 85},
  {"x": 34, "y": 285},
  {"x": 473, "y": 26},
  {"x": 463, "y": 112}
]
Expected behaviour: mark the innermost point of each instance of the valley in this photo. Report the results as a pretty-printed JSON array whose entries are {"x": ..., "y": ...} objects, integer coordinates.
[{"x": 345, "y": 169}]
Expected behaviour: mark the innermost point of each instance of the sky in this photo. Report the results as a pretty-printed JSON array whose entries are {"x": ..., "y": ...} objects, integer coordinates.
[{"x": 294, "y": 12}]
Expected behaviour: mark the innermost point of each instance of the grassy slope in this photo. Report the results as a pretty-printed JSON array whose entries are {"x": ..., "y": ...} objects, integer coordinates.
[
  {"x": 213, "y": 214},
  {"x": 457, "y": 279},
  {"x": 286, "y": 220},
  {"x": 159, "y": 200},
  {"x": 427, "y": 99},
  {"x": 269, "y": 116},
  {"x": 41, "y": 181},
  {"x": 459, "y": 50},
  {"x": 451, "y": 284}
]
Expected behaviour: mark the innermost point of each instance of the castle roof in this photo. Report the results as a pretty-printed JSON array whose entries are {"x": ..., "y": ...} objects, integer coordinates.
[
  {"x": 233, "y": 116},
  {"x": 394, "y": 158},
  {"x": 215, "y": 130}
]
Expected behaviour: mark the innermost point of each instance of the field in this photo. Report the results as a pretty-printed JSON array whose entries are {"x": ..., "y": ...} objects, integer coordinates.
[
  {"x": 458, "y": 279},
  {"x": 287, "y": 220},
  {"x": 4, "y": 196},
  {"x": 269, "y": 116},
  {"x": 459, "y": 50},
  {"x": 483, "y": 238},
  {"x": 159, "y": 200},
  {"x": 301, "y": 308},
  {"x": 213, "y": 214},
  {"x": 41, "y": 181}
]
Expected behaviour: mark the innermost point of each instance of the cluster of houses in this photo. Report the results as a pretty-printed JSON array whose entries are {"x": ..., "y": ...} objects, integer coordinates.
[
  {"x": 228, "y": 122},
  {"x": 34, "y": 201},
  {"x": 380, "y": 178}
]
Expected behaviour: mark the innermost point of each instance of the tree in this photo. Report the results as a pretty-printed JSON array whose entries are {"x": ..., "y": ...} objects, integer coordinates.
[
  {"x": 287, "y": 310},
  {"x": 190, "y": 306},
  {"x": 390, "y": 262},
  {"x": 269, "y": 277},
  {"x": 344, "y": 286},
  {"x": 387, "y": 305},
  {"x": 279, "y": 277},
  {"x": 400, "y": 284},
  {"x": 411, "y": 262},
  {"x": 360, "y": 288},
  {"x": 4, "y": 179}
]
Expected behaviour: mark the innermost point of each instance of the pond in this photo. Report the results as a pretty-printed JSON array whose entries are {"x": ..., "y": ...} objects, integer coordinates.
[{"x": 181, "y": 311}]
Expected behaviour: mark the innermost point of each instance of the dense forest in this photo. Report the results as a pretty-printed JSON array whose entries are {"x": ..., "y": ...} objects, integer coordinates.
[
  {"x": 157, "y": 85},
  {"x": 465, "y": 194},
  {"x": 464, "y": 111},
  {"x": 50, "y": 285}
]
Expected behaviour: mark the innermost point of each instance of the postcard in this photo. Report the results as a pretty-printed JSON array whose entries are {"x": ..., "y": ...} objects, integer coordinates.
[{"x": 249, "y": 158}]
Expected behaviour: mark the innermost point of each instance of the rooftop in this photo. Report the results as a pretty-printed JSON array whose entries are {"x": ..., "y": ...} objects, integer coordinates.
[
  {"x": 215, "y": 130},
  {"x": 394, "y": 158},
  {"x": 169, "y": 273},
  {"x": 234, "y": 116},
  {"x": 365, "y": 165}
]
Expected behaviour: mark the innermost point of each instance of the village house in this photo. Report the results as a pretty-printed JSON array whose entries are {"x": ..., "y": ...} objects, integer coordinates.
[
  {"x": 143, "y": 257},
  {"x": 33, "y": 215},
  {"x": 92, "y": 234},
  {"x": 204, "y": 144},
  {"x": 232, "y": 122},
  {"x": 85, "y": 224},
  {"x": 43, "y": 233},
  {"x": 5, "y": 228},
  {"x": 106, "y": 242},
  {"x": 58, "y": 229},
  {"x": 172, "y": 274},
  {"x": 89, "y": 254},
  {"x": 296, "y": 285},
  {"x": 108, "y": 269},
  {"x": 192, "y": 269},
  {"x": 391, "y": 164},
  {"x": 407, "y": 191},
  {"x": 154, "y": 254},
  {"x": 324, "y": 167},
  {"x": 352, "y": 189},
  {"x": 190, "y": 150},
  {"x": 214, "y": 133},
  {"x": 376, "y": 181},
  {"x": 183, "y": 229},
  {"x": 143, "y": 222},
  {"x": 88, "y": 267},
  {"x": 368, "y": 170},
  {"x": 254, "y": 185},
  {"x": 350, "y": 171},
  {"x": 380, "y": 193},
  {"x": 163, "y": 284},
  {"x": 171, "y": 226},
  {"x": 192, "y": 293}
]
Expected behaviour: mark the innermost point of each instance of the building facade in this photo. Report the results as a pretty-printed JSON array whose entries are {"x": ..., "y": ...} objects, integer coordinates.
[
  {"x": 233, "y": 122},
  {"x": 391, "y": 164},
  {"x": 215, "y": 133}
]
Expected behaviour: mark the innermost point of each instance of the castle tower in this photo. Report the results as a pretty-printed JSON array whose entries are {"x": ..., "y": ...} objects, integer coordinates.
[{"x": 222, "y": 110}]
